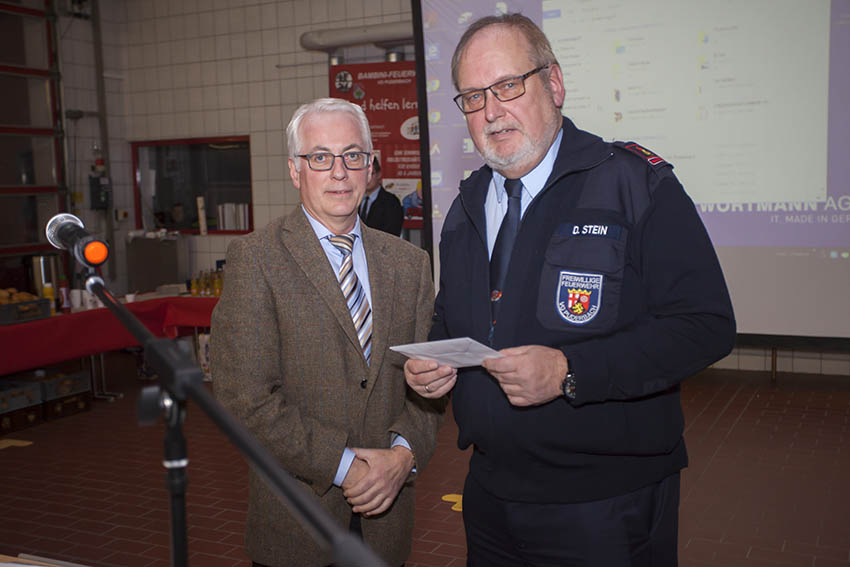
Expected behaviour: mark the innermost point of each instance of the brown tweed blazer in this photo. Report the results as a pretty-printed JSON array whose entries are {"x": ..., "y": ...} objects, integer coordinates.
[{"x": 287, "y": 363}]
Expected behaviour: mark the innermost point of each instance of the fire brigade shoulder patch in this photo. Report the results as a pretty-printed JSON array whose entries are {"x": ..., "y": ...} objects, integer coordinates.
[
  {"x": 649, "y": 156},
  {"x": 579, "y": 296}
]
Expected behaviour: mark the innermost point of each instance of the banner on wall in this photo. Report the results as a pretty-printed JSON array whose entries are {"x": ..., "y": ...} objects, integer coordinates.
[{"x": 387, "y": 93}]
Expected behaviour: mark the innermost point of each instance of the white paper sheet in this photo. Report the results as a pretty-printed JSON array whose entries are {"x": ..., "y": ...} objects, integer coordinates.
[{"x": 457, "y": 353}]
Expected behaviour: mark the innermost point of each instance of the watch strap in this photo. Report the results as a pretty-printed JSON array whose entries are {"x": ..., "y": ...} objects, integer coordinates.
[{"x": 568, "y": 386}]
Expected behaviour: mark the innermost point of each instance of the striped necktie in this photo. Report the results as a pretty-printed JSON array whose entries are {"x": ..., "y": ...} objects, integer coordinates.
[{"x": 355, "y": 295}]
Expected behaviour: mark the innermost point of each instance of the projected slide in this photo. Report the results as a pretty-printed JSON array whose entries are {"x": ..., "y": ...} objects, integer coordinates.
[{"x": 709, "y": 88}]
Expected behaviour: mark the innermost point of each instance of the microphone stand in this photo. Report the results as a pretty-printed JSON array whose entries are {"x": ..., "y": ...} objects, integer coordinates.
[{"x": 181, "y": 379}]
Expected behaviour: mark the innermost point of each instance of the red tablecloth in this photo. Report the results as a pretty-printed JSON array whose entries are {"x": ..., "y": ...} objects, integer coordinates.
[{"x": 73, "y": 335}]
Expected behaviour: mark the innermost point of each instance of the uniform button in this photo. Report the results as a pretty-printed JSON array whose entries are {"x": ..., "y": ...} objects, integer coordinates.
[{"x": 363, "y": 383}]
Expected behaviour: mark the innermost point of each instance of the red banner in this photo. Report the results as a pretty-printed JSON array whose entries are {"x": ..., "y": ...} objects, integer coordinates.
[{"x": 387, "y": 93}]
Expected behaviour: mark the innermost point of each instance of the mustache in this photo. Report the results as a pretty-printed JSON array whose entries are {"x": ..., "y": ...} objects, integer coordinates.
[{"x": 498, "y": 127}]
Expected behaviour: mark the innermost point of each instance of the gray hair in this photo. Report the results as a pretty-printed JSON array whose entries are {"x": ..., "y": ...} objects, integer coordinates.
[
  {"x": 293, "y": 134},
  {"x": 540, "y": 50}
]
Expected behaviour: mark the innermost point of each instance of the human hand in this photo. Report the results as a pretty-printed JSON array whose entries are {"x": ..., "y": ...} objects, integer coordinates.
[
  {"x": 356, "y": 471},
  {"x": 428, "y": 379},
  {"x": 529, "y": 375},
  {"x": 375, "y": 492}
]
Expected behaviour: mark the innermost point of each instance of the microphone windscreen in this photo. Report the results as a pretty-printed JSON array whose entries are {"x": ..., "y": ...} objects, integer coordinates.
[{"x": 55, "y": 223}]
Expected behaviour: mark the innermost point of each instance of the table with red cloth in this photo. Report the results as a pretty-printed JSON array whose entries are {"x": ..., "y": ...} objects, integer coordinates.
[{"x": 63, "y": 337}]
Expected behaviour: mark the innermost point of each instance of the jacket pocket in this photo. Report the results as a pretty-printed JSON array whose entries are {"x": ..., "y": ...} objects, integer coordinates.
[{"x": 581, "y": 280}]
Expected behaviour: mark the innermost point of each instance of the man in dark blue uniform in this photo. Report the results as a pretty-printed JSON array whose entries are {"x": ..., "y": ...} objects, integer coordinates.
[{"x": 586, "y": 265}]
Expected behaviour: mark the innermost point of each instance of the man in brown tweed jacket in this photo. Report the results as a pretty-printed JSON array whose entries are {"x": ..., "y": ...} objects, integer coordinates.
[{"x": 288, "y": 362}]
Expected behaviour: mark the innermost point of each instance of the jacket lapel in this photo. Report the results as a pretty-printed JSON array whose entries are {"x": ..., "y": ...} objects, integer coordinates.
[{"x": 298, "y": 237}]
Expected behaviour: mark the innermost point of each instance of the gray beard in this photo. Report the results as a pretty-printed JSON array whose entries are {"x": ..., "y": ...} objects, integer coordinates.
[{"x": 526, "y": 151}]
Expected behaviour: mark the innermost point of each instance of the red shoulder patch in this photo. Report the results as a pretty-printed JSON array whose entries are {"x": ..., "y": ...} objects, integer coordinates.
[{"x": 651, "y": 157}]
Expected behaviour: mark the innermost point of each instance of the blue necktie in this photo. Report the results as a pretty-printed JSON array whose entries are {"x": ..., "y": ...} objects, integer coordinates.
[
  {"x": 504, "y": 243},
  {"x": 355, "y": 295}
]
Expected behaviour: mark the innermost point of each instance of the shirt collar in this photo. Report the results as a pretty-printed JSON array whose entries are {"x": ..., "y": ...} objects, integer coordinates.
[
  {"x": 323, "y": 232},
  {"x": 534, "y": 180},
  {"x": 374, "y": 195}
]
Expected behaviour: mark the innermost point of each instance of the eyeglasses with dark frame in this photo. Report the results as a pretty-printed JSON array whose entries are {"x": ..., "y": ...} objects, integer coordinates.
[
  {"x": 504, "y": 90},
  {"x": 324, "y": 161}
]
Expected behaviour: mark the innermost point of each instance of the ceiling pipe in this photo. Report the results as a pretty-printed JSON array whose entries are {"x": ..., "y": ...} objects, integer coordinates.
[{"x": 383, "y": 35}]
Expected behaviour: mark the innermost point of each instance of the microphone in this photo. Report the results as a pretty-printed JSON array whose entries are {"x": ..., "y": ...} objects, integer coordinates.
[{"x": 67, "y": 232}]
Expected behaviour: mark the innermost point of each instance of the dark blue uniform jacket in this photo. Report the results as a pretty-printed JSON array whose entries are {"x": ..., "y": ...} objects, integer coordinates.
[{"x": 613, "y": 266}]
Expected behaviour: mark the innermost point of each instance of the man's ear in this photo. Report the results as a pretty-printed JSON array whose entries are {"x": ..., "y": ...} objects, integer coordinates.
[
  {"x": 294, "y": 175},
  {"x": 556, "y": 85}
]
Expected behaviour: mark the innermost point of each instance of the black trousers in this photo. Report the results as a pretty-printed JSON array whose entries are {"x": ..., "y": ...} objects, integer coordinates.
[{"x": 639, "y": 529}]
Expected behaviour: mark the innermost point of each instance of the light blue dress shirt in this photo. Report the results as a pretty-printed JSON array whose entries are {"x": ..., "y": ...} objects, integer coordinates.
[
  {"x": 496, "y": 203},
  {"x": 334, "y": 256}
]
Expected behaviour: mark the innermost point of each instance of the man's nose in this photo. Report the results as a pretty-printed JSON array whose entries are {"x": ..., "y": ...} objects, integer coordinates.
[
  {"x": 338, "y": 170},
  {"x": 493, "y": 107}
]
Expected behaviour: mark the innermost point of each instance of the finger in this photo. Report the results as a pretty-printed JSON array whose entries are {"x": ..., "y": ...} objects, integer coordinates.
[
  {"x": 415, "y": 366},
  {"x": 440, "y": 373},
  {"x": 375, "y": 506},
  {"x": 385, "y": 505},
  {"x": 364, "y": 486},
  {"x": 503, "y": 364},
  {"x": 356, "y": 491},
  {"x": 367, "y": 504},
  {"x": 507, "y": 378},
  {"x": 364, "y": 454},
  {"x": 363, "y": 497},
  {"x": 518, "y": 401},
  {"x": 440, "y": 382},
  {"x": 517, "y": 350},
  {"x": 444, "y": 389},
  {"x": 417, "y": 381},
  {"x": 438, "y": 388}
]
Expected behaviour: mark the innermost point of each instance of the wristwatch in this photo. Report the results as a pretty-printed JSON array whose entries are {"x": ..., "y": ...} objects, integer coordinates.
[{"x": 568, "y": 386}]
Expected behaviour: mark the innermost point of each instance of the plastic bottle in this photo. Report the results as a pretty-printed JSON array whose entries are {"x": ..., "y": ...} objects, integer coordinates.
[
  {"x": 205, "y": 283},
  {"x": 48, "y": 293},
  {"x": 64, "y": 294},
  {"x": 218, "y": 282}
]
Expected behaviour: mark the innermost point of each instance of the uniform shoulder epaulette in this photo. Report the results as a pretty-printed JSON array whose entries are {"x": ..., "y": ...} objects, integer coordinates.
[{"x": 648, "y": 156}]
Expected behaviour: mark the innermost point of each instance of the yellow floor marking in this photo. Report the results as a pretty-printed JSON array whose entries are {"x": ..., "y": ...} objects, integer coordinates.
[
  {"x": 457, "y": 499},
  {"x": 13, "y": 443}
]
